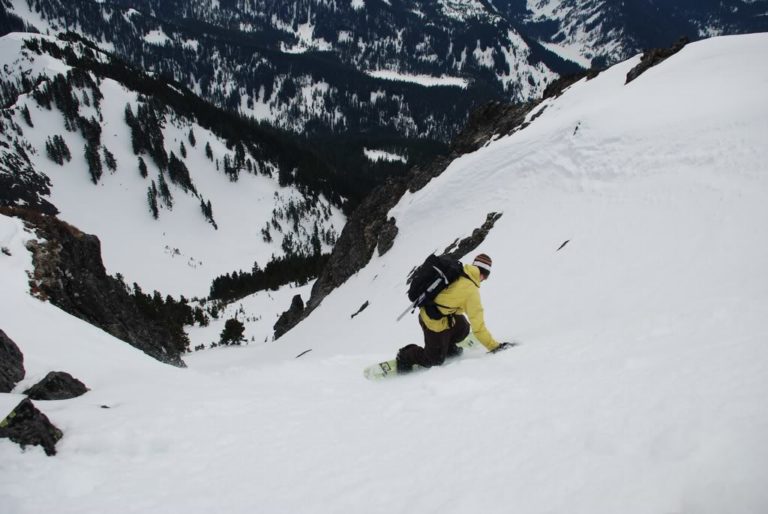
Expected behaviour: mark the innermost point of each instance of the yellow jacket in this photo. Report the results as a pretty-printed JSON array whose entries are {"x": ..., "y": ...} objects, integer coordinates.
[{"x": 462, "y": 297}]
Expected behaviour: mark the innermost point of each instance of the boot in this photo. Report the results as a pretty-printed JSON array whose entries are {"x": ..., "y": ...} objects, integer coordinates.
[
  {"x": 404, "y": 365},
  {"x": 454, "y": 351}
]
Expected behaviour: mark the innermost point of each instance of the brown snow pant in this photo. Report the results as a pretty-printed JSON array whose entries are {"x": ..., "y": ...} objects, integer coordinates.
[{"x": 437, "y": 346}]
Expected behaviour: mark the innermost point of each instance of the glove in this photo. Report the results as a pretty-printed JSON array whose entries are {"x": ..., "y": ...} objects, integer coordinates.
[{"x": 502, "y": 347}]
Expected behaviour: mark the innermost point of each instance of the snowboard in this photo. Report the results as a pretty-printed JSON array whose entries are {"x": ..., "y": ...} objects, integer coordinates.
[{"x": 388, "y": 369}]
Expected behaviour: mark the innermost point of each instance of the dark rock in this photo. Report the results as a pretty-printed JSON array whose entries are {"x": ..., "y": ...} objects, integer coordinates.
[
  {"x": 11, "y": 364},
  {"x": 653, "y": 57},
  {"x": 387, "y": 236},
  {"x": 57, "y": 385},
  {"x": 69, "y": 273},
  {"x": 493, "y": 119},
  {"x": 303, "y": 353},
  {"x": 361, "y": 309},
  {"x": 461, "y": 248},
  {"x": 27, "y": 426},
  {"x": 289, "y": 317},
  {"x": 557, "y": 87}
]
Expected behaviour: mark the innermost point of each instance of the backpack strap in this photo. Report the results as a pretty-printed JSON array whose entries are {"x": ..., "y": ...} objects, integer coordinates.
[{"x": 431, "y": 308}]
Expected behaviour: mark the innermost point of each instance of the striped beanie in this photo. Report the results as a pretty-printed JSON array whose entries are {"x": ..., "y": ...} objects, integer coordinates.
[{"x": 483, "y": 262}]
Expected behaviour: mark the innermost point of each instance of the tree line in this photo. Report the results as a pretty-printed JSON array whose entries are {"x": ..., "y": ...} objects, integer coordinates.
[{"x": 279, "y": 271}]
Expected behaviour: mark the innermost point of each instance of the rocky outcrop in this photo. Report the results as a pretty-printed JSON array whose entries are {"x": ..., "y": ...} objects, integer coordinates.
[
  {"x": 11, "y": 364},
  {"x": 653, "y": 57},
  {"x": 369, "y": 227},
  {"x": 289, "y": 318},
  {"x": 387, "y": 236},
  {"x": 69, "y": 273},
  {"x": 462, "y": 247},
  {"x": 557, "y": 87},
  {"x": 57, "y": 385},
  {"x": 27, "y": 426}
]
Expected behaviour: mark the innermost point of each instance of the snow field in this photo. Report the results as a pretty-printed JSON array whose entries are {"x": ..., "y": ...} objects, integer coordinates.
[{"x": 639, "y": 386}]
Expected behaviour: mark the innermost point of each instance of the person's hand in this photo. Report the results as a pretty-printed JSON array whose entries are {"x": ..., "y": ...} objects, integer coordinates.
[{"x": 502, "y": 347}]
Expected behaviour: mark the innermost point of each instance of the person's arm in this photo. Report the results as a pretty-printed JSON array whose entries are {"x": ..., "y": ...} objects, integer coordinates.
[{"x": 475, "y": 313}]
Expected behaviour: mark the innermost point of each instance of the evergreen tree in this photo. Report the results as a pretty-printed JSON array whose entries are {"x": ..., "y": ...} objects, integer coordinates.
[
  {"x": 179, "y": 173},
  {"x": 26, "y": 115},
  {"x": 208, "y": 151},
  {"x": 200, "y": 317},
  {"x": 207, "y": 209},
  {"x": 62, "y": 148},
  {"x": 232, "y": 333},
  {"x": 165, "y": 192},
  {"x": 94, "y": 162},
  {"x": 192, "y": 140},
  {"x": 239, "y": 155},
  {"x": 316, "y": 247},
  {"x": 109, "y": 160},
  {"x": 230, "y": 169},
  {"x": 53, "y": 152},
  {"x": 143, "y": 168},
  {"x": 152, "y": 200},
  {"x": 183, "y": 150}
]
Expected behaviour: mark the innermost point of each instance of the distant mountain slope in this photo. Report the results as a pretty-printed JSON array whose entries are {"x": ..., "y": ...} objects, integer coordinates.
[
  {"x": 300, "y": 64},
  {"x": 178, "y": 191},
  {"x": 311, "y": 66},
  {"x": 602, "y": 32}
]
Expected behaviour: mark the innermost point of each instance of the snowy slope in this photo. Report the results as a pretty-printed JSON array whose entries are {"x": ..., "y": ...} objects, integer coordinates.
[
  {"x": 639, "y": 386},
  {"x": 180, "y": 252}
]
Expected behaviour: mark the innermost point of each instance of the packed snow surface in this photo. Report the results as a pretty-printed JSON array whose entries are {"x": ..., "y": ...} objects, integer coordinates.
[{"x": 639, "y": 386}]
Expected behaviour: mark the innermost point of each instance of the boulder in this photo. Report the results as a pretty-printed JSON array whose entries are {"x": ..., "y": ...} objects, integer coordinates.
[
  {"x": 57, "y": 385},
  {"x": 27, "y": 426},
  {"x": 11, "y": 364}
]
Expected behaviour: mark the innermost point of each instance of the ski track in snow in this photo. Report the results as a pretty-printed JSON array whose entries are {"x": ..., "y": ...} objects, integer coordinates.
[{"x": 639, "y": 387}]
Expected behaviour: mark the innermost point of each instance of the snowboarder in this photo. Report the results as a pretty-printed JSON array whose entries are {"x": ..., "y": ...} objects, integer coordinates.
[{"x": 442, "y": 333}]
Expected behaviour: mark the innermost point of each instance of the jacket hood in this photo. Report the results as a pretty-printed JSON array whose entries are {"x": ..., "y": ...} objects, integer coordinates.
[{"x": 473, "y": 272}]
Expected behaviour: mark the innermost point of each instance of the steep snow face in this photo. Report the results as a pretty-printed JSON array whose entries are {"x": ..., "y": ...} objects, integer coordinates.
[{"x": 639, "y": 385}]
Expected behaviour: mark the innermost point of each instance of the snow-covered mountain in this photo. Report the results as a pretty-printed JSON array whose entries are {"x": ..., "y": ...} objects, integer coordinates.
[
  {"x": 317, "y": 66},
  {"x": 639, "y": 385},
  {"x": 178, "y": 192},
  {"x": 596, "y": 32}
]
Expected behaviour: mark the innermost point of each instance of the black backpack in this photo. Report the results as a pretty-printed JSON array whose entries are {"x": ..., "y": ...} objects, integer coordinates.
[{"x": 434, "y": 275}]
